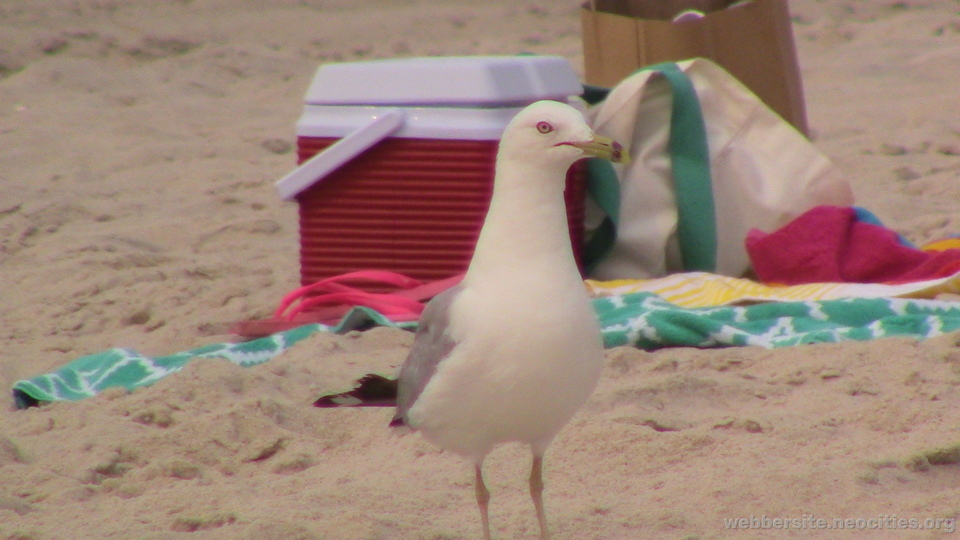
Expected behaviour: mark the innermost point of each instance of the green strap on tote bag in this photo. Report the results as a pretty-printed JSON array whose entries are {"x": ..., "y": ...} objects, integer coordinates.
[{"x": 690, "y": 164}]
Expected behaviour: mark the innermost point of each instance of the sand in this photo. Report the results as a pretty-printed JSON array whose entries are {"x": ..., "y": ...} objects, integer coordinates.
[{"x": 139, "y": 143}]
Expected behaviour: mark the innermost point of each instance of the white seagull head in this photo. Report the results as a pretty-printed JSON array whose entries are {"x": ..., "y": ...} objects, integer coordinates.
[{"x": 550, "y": 132}]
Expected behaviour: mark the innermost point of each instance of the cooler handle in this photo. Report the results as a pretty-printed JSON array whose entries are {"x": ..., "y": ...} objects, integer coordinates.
[{"x": 356, "y": 142}]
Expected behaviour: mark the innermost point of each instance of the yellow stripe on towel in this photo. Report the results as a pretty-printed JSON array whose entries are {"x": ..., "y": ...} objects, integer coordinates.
[{"x": 701, "y": 289}]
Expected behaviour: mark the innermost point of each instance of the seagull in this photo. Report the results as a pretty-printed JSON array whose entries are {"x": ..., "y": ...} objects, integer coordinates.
[{"x": 514, "y": 350}]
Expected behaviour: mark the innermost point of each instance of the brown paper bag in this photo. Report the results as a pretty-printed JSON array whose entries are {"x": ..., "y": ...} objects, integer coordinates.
[{"x": 752, "y": 40}]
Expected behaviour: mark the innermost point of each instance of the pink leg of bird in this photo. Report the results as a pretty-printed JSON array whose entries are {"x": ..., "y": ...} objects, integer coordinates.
[
  {"x": 483, "y": 499},
  {"x": 536, "y": 493}
]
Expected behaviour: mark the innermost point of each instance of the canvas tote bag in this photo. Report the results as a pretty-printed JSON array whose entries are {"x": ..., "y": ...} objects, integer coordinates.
[{"x": 709, "y": 162}]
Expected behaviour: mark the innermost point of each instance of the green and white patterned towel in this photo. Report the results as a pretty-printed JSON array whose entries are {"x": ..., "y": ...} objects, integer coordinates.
[
  {"x": 126, "y": 368},
  {"x": 642, "y": 320},
  {"x": 647, "y": 321}
]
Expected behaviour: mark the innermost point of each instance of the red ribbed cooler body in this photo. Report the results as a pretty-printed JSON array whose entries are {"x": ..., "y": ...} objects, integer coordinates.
[{"x": 413, "y": 206}]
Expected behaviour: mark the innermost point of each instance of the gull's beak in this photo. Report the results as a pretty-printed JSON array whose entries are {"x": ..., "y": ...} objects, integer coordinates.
[{"x": 605, "y": 148}]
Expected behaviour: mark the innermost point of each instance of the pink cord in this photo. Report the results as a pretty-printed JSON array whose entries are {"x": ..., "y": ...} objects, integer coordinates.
[{"x": 335, "y": 292}]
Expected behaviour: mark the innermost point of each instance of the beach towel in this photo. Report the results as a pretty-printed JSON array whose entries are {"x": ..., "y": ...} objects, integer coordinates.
[
  {"x": 702, "y": 289},
  {"x": 834, "y": 244},
  {"x": 127, "y": 368},
  {"x": 649, "y": 322},
  {"x": 641, "y": 319}
]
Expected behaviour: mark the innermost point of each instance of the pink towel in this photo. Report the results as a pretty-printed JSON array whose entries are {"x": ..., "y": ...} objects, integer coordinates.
[{"x": 829, "y": 244}]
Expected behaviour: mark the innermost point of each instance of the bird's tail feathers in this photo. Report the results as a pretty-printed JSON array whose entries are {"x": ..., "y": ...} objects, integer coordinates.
[{"x": 372, "y": 390}]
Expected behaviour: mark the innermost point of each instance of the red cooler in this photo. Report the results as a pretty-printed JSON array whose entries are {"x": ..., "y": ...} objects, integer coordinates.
[{"x": 397, "y": 159}]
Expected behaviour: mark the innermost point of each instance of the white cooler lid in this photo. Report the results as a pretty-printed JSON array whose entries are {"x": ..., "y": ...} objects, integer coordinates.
[{"x": 466, "y": 81}]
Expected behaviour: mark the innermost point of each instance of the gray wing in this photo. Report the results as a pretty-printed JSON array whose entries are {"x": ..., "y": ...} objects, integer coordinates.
[{"x": 431, "y": 345}]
